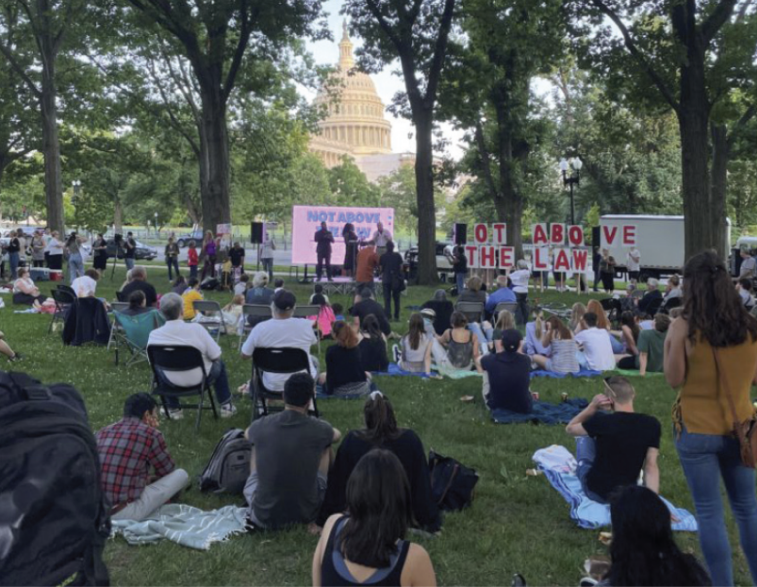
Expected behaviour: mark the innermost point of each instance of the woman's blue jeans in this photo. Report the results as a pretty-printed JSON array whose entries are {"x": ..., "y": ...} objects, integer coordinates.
[
  {"x": 460, "y": 282},
  {"x": 702, "y": 457},
  {"x": 75, "y": 266},
  {"x": 14, "y": 260}
]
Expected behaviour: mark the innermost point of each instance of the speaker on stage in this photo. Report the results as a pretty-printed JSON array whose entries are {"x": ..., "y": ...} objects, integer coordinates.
[
  {"x": 256, "y": 232},
  {"x": 461, "y": 233}
]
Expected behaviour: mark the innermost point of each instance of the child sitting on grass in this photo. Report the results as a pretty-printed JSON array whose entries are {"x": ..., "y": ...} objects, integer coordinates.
[{"x": 191, "y": 295}]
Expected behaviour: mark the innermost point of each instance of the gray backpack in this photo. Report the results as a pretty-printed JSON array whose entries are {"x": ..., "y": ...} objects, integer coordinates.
[{"x": 229, "y": 466}]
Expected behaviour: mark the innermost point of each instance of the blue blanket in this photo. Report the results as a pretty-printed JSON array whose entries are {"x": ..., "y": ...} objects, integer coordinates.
[
  {"x": 590, "y": 514},
  {"x": 543, "y": 412},
  {"x": 553, "y": 375}
]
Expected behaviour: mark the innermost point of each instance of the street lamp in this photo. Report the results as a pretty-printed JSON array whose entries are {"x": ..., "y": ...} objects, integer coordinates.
[
  {"x": 77, "y": 188},
  {"x": 156, "y": 223},
  {"x": 574, "y": 179}
]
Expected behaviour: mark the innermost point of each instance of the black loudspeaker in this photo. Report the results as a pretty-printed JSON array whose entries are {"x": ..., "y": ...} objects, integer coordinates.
[
  {"x": 461, "y": 233},
  {"x": 256, "y": 232}
]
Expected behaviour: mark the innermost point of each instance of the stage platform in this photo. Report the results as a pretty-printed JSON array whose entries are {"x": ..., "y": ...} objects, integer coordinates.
[{"x": 346, "y": 286}]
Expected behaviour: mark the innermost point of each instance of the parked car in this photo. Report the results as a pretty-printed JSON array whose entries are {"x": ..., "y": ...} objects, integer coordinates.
[
  {"x": 142, "y": 252},
  {"x": 443, "y": 265},
  {"x": 183, "y": 240}
]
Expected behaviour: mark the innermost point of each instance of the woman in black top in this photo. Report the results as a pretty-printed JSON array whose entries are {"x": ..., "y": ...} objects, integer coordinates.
[
  {"x": 372, "y": 346},
  {"x": 381, "y": 431},
  {"x": 350, "y": 248},
  {"x": 368, "y": 546},
  {"x": 14, "y": 257},
  {"x": 100, "y": 253},
  {"x": 344, "y": 371}
]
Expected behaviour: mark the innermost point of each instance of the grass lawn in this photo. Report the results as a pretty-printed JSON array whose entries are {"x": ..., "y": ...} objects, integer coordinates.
[{"x": 517, "y": 524}]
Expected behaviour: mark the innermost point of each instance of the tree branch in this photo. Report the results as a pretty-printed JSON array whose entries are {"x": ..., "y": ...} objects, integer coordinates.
[
  {"x": 244, "y": 38},
  {"x": 20, "y": 70},
  {"x": 637, "y": 54},
  {"x": 717, "y": 19},
  {"x": 749, "y": 113},
  {"x": 440, "y": 51}
]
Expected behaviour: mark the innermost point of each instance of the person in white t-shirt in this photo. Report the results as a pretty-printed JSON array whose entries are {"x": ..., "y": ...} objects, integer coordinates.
[
  {"x": 380, "y": 237},
  {"x": 596, "y": 349},
  {"x": 633, "y": 264},
  {"x": 176, "y": 332},
  {"x": 519, "y": 279},
  {"x": 86, "y": 285},
  {"x": 282, "y": 332}
]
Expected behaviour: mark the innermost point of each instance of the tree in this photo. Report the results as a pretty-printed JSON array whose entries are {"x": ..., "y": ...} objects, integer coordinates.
[
  {"x": 48, "y": 22},
  {"x": 506, "y": 44},
  {"x": 677, "y": 58},
  {"x": 416, "y": 32},
  {"x": 350, "y": 187},
  {"x": 215, "y": 38}
]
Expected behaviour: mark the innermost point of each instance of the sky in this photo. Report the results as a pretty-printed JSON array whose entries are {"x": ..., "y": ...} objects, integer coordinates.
[{"x": 387, "y": 84}]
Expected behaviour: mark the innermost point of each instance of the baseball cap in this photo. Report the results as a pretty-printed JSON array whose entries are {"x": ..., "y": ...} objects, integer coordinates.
[
  {"x": 511, "y": 340},
  {"x": 284, "y": 300}
]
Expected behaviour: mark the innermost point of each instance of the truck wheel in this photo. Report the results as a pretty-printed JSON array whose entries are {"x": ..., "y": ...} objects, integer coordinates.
[{"x": 180, "y": 243}]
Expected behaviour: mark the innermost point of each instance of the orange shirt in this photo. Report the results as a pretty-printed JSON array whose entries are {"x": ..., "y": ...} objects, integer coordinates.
[{"x": 367, "y": 261}]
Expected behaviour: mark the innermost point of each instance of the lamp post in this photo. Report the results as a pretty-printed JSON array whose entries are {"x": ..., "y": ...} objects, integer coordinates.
[
  {"x": 156, "y": 224},
  {"x": 76, "y": 184},
  {"x": 575, "y": 165}
]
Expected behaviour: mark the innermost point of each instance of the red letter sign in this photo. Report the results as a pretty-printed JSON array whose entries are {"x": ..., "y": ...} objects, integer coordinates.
[
  {"x": 472, "y": 252},
  {"x": 629, "y": 235},
  {"x": 608, "y": 235},
  {"x": 562, "y": 261},
  {"x": 500, "y": 233},
  {"x": 539, "y": 232},
  {"x": 487, "y": 259},
  {"x": 575, "y": 235},
  {"x": 541, "y": 259},
  {"x": 580, "y": 257},
  {"x": 481, "y": 233},
  {"x": 557, "y": 234},
  {"x": 506, "y": 257}
]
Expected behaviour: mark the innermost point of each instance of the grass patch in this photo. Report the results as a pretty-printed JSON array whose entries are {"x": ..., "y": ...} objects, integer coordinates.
[{"x": 517, "y": 523}]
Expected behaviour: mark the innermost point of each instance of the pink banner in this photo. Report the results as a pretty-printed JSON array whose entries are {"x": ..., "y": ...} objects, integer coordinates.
[{"x": 306, "y": 220}]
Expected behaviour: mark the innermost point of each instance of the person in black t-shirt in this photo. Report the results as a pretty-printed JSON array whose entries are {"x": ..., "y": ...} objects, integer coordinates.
[
  {"x": 611, "y": 449},
  {"x": 139, "y": 283},
  {"x": 236, "y": 255},
  {"x": 344, "y": 370},
  {"x": 507, "y": 376},
  {"x": 459, "y": 266},
  {"x": 392, "y": 280},
  {"x": 365, "y": 305}
]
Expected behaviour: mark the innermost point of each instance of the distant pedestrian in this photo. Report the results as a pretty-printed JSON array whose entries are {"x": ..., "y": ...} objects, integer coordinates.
[
  {"x": 172, "y": 258},
  {"x": 192, "y": 259}
]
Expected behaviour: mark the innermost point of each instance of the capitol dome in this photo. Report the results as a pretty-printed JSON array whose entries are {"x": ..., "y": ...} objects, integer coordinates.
[{"x": 355, "y": 124}]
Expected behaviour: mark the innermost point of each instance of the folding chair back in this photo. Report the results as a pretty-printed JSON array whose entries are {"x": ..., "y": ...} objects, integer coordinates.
[
  {"x": 474, "y": 311},
  {"x": 261, "y": 312},
  {"x": 654, "y": 306},
  {"x": 212, "y": 317},
  {"x": 673, "y": 303},
  {"x": 285, "y": 361},
  {"x": 136, "y": 332},
  {"x": 121, "y": 296},
  {"x": 62, "y": 300},
  {"x": 67, "y": 289},
  {"x": 166, "y": 359},
  {"x": 511, "y": 307},
  {"x": 305, "y": 311}
]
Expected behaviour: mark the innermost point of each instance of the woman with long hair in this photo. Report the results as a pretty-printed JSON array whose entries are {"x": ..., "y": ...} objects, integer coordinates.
[
  {"x": 562, "y": 348},
  {"x": 381, "y": 431},
  {"x": 643, "y": 550},
  {"x": 629, "y": 335},
  {"x": 414, "y": 351},
  {"x": 577, "y": 312},
  {"x": 75, "y": 260},
  {"x": 534, "y": 333},
  {"x": 368, "y": 546},
  {"x": 372, "y": 345},
  {"x": 325, "y": 317},
  {"x": 100, "y": 253},
  {"x": 603, "y": 323},
  {"x": 350, "y": 248},
  {"x": 711, "y": 354},
  {"x": 209, "y": 252},
  {"x": 607, "y": 271},
  {"x": 505, "y": 321},
  {"x": 461, "y": 344},
  {"x": 344, "y": 374}
]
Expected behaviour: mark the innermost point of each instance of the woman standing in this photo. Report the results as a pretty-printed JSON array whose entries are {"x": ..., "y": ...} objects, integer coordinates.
[
  {"x": 172, "y": 258},
  {"x": 209, "y": 251},
  {"x": 14, "y": 255},
  {"x": 607, "y": 271},
  {"x": 75, "y": 261},
  {"x": 38, "y": 250},
  {"x": 55, "y": 252},
  {"x": 100, "y": 254},
  {"x": 711, "y": 354},
  {"x": 350, "y": 248}
]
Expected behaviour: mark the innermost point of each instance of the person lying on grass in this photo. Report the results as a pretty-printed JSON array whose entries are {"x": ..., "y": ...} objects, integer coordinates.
[{"x": 613, "y": 443}]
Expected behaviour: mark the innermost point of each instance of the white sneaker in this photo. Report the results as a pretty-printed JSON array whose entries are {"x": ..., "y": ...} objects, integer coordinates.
[
  {"x": 176, "y": 414},
  {"x": 397, "y": 353},
  {"x": 228, "y": 410}
]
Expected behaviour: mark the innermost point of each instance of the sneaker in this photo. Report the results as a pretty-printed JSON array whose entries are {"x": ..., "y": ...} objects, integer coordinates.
[
  {"x": 228, "y": 410},
  {"x": 16, "y": 357},
  {"x": 176, "y": 414},
  {"x": 396, "y": 353}
]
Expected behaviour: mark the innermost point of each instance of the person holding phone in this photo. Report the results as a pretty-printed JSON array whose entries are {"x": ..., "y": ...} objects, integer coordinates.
[{"x": 614, "y": 443}]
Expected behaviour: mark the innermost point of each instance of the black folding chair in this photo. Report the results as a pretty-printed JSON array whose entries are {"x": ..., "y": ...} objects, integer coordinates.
[
  {"x": 474, "y": 311},
  {"x": 511, "y": 307},
  {"x": 121, "y": 297},
  {"x": 654, "y": 307},
  {"x": 180, "y": 359},
  {"x": 212, "y": 319},
  {"x": 261, "y": 312},
  {"x": 63, "y": 300},
  {"x": 274, "y": 360},
  {"x": 66, "y": 288}
]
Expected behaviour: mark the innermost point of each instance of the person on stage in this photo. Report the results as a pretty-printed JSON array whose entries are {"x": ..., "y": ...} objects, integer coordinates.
[
  {"x": 380, "y": 238},
  {"x": 350, "y": 249},
  {"x": 324, "y": 238}
]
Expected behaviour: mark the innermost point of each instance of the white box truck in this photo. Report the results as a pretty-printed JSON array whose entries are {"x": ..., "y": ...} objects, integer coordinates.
[{"x": 659, "y": 239}]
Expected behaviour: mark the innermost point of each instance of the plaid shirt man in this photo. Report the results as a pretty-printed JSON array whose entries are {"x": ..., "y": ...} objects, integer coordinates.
[{"x": 128, "y": 448}]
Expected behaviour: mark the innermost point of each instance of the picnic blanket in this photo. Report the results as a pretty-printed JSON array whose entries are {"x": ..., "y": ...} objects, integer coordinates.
[
  {"x": 395, "y": 371},
  {"x": 543, "y": 413},
  {"x": 184, "y": 525},
  {"x": 553, "y": 375},
  {"x": 559, "y": 465}
]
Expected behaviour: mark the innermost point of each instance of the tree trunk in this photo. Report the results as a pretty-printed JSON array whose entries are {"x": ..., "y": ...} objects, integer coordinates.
[
  {"x": 424, "y": 179},
  {"x": 721, "y": 153},
  {"x": 51, "y": 146},
  {"x": 118, "y": 217},
  {"x": 214, "y": 160}
]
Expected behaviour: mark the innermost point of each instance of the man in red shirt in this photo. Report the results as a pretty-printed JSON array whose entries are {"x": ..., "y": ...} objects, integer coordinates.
[
  {"x": 367, "y": 261},
  {"x": 129, "y": 449}
]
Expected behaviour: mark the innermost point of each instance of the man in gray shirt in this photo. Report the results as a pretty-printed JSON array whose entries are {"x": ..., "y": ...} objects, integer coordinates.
[
  {"x": 291, "y": 456},
  {"x": 748, "y": 264}
]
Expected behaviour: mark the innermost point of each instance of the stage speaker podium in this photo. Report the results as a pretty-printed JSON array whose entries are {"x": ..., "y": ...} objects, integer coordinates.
[
  {"x": 257, "y": 232},
  {"x": 461, "y": 233}
]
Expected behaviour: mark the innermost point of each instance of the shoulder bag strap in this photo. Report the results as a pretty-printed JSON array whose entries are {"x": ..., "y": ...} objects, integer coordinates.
[{"x": 727, "y": 389}]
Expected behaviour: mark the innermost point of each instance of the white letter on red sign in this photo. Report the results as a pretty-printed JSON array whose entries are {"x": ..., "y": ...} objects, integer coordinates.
[
  {"x": 576, "y": 235},
  {"x": 500, "y": 233}
]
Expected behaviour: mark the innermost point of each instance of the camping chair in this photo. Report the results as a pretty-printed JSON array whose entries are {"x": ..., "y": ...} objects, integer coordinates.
[
  {"x": 135, "y": 332},
  {"x": 260, "y": 311},
  {"x": 307, "y": 312},
  {"x": 115, "y": 329},
  {"x": 474, "y": 311},
  {"x": 654, "y": 307},
  {"x": 274, "y": 360},
  {"x": 63, "y": 301},
  {"x": 213, "y": 323},
  {"x": 180, "y": 359}
]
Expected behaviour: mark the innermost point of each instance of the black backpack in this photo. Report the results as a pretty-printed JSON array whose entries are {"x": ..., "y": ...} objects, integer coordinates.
[
  {"x": 54, "y": 520},
  {"x": 452, "y": 483},
  {"x": 229, "y": 466}
]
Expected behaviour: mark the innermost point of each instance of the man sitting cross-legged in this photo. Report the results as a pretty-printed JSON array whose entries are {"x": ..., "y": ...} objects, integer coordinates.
[
  {"x": 291, "y": 456},
  {"x": 612, "y": 448},
  {"x": 129, "y": 449},
  {"x": 282, "y": 332},
  {"x": 176, "y": 332}
]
